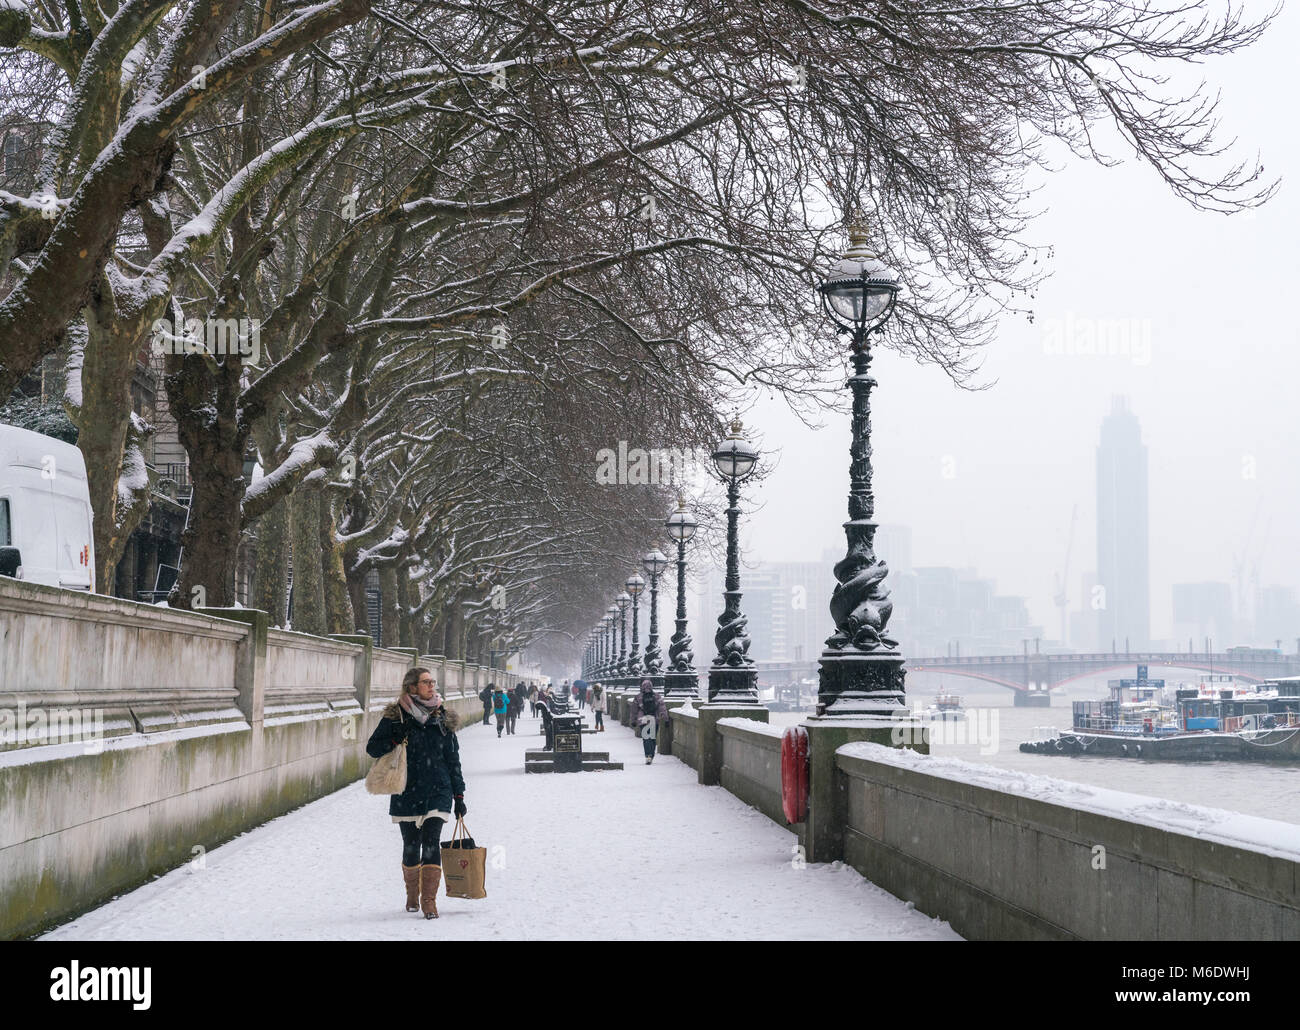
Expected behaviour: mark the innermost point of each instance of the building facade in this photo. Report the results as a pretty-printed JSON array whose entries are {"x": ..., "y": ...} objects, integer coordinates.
[{"x": 1123, "y": 559}]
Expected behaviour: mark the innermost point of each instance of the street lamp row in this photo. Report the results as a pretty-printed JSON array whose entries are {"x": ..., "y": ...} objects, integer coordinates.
[
  {"x": 861, "y": 669},
  {"x": 607, "y": 655}
]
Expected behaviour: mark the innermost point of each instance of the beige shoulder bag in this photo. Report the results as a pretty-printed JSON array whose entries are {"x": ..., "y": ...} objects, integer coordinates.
[{"x": 388, "y": 774}]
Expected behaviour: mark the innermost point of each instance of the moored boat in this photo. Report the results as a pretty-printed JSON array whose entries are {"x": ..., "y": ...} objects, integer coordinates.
[{"x": 1210, "y": 722}]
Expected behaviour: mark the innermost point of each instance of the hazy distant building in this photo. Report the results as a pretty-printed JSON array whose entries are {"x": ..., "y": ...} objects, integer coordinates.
[
  {"x": 1123, "y": 561},
  {"x": 894, "y": 546},
  {"x": 1083, "y": 623},
  {"x": 1277, "y": 617},
  {"x": 940, "y": 610},
  {"x": 1203, "y": 610},
  {"x": 787, "y": 605}
]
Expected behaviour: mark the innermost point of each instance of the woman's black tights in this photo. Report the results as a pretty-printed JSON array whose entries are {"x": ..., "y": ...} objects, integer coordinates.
[{"x": 425, "y": 839}]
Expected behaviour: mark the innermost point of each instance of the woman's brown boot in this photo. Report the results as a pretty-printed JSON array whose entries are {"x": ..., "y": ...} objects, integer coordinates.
[
  {"x": 430, "y": 877},
  {"x": 411, "y": 877}
]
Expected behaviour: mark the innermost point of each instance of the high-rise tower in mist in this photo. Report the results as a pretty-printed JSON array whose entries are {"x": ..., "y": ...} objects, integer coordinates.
[{"x": 1123, "y": 562}]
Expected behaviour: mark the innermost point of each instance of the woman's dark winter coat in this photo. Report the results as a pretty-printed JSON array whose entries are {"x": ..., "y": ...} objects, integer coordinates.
[
  {"x": 649, "y": 703},
  {"x": 433, "y": 776}
]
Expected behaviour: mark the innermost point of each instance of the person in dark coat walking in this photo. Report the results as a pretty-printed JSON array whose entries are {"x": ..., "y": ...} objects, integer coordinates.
[
  {"x": 435, "y": 787},
  {"x": 649, "y": 716},
  {"x": 548, "y": 726},
  {"x": 485, "y": 695},
  {"x": 514, "y": 705}
]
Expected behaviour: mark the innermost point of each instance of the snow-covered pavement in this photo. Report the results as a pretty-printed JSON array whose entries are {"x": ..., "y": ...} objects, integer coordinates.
[{"x": 646, "y": 853}]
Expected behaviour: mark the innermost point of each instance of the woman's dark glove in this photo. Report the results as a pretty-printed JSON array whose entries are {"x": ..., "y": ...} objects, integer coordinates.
[{"x": 459, "y": 808}]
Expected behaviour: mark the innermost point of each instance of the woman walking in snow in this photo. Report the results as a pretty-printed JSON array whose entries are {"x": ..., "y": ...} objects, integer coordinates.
[
  {"x": 650, "y": 715},
  {"x": 435, "y": 787},
  {"x": 598, "y": 706}
]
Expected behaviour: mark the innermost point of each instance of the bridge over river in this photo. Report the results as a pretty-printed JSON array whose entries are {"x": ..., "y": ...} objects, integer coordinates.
[{"x": 1032, "y": 675}]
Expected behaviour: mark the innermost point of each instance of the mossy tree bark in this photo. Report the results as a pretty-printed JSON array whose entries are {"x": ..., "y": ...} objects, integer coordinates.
[
  {"x": 338, "y": 603},
  {"x": 271, "y": 564},
  {"x": 308, "y": 581}
]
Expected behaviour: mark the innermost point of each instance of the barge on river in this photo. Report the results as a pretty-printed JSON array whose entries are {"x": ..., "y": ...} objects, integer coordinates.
[{"x": 1209, "y": 723}]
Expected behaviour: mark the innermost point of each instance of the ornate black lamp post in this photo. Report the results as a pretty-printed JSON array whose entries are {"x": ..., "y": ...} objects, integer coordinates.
[
  {"x": 611, "y": 658},
  {"x": 861, "y": 668},
  {"x": 732, "y": 677},
  {"x": 636, "y": 587},
  {"x": 654, "y": 564},
  {"x": 602, "y": 663},
  {"x": 623, "y": 600},
  {"x": 681, "y": 680}
]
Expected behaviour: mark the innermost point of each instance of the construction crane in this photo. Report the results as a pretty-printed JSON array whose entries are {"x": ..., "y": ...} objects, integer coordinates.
[{"x": 1062, "y": 597}]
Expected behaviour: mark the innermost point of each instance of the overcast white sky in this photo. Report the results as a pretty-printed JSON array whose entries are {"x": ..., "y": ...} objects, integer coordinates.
[{"x": 1217, "y": 396}]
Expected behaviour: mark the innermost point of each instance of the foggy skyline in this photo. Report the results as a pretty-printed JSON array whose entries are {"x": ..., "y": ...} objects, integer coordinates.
[{"x": 1197, "y": 307}]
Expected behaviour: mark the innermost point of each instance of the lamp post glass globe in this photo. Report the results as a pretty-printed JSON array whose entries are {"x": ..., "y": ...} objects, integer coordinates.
[
  {"x": 654, "y": 563},
  {"x": 860, "y": 290},
  {"x": 735, "y": 457},
  {"x": 681, "y": 524},
  {"x": 623, "y": 600},
  {"x": 635, "y": 584}
]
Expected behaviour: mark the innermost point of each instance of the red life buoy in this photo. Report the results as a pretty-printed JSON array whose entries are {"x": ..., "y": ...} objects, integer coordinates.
[{"x": 794, "y": 774}]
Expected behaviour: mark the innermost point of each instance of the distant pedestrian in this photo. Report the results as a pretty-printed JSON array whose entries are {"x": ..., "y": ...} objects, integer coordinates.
[
  {"x": 548, "y": 726},
  {"x": 485, "y": 695},
  {"x": 649, "y": 715},
  {"x": 580, "y": 696},
  {"x": 598, "y": 706},
  {"x": 514, "y": 705},
  {"x": 500, "y": 705},
  {"x": 435, "y": 787}
]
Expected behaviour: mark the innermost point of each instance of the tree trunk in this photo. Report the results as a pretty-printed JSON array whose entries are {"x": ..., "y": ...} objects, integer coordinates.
[
  {"x": 271, "y": 564},
  {"x": 405, "y": 624},
  {"x": 456, "y": 632},
  {"x": 105, "y": 432},
  {"x": 308, "y": 580},
  {"x": 338, "y": 603},
  {"x": 357, "y": 592},
  {"x": 390, "y": 628},
  {"x": 205, "y": 404}
]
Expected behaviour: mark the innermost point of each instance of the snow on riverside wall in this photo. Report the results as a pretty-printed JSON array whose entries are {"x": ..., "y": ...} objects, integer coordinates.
[
  {"x": 208, "y": 743},
  {"x": 1008, "y": 855}
]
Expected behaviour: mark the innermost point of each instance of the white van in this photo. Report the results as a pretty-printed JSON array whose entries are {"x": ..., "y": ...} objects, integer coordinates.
[{"x": 46, "y": 533}]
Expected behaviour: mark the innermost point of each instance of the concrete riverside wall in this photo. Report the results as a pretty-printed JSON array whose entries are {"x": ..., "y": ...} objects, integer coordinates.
[
  {"x": 197, "y": 727},
  {"x": 751, "y": 764},
  {"x": 993, "y": 853},
  {"x": 686, "y": 736}
]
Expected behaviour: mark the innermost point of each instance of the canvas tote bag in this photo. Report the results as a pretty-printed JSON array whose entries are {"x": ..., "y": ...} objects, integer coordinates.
[
  {"x": 388, "y": 774},
  {"x": 464, "y": 867}
]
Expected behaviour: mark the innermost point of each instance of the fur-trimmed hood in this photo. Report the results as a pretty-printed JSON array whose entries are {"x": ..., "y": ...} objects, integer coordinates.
[{"x": 449, "y": 717}]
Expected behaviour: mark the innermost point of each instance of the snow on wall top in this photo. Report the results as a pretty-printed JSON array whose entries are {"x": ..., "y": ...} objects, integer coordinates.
[
  {"x": 1281, "y": 840},
  {"x": 751, "y": 724}
]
